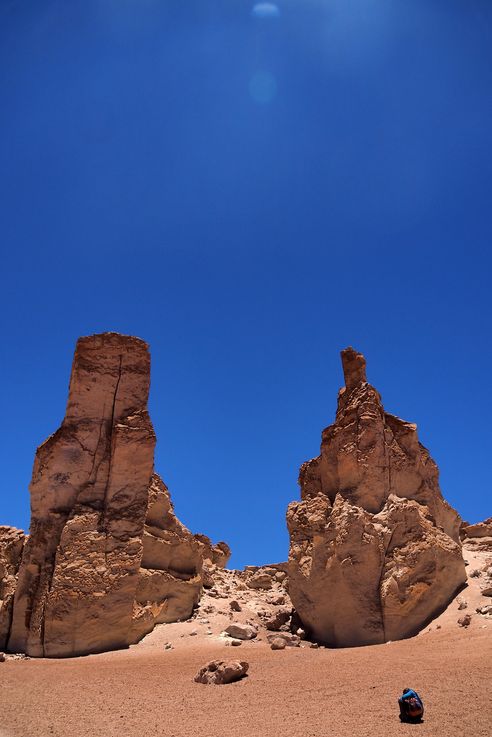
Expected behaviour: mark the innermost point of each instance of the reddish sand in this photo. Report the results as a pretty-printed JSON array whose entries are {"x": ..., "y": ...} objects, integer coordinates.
[{"x": 298, "y": 692}]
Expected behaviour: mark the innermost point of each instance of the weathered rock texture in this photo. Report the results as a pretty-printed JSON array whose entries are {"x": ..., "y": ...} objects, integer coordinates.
[
  {"x": 374, "y": 548},
  {"x": 11, "y": 546},
  {"x": 477, "y": 536},
  {"x": 106, "y": 558}
]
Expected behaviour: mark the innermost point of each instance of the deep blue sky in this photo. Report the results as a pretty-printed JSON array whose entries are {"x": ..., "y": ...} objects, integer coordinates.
[{"x": 249, "y": 195}]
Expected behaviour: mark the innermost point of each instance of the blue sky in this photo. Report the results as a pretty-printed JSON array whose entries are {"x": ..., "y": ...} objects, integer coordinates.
[{"x": 249, "y": 192}]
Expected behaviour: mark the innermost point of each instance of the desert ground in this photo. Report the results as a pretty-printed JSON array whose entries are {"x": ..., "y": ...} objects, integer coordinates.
[{"x": 149, "y": 690}]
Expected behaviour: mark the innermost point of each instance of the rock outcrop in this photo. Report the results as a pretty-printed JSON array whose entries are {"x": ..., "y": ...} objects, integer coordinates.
[
  {"x": 11, "y": 546},
  {"x": 105, "y": 558},
  {"x": 477, "y": 536},
  {"x": 374, "y": 548}
]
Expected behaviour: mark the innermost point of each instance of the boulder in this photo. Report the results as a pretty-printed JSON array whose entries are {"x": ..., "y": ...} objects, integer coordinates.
[
  {"x": 374, "y": 548},
  {"x": 286, "y": 637},
  {"x": 241, "y": 631},
  {"x": 220, "y": 672}
]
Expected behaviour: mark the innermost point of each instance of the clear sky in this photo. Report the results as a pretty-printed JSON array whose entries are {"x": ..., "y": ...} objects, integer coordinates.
[{"x": 250, "y": 192}]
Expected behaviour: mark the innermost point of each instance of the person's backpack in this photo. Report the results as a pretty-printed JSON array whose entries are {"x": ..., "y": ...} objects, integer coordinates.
[{"x": 414, "y": 707}]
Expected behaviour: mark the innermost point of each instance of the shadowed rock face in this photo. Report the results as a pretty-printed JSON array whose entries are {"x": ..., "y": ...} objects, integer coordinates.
[
  {"x": 11, "y": 546},
  {"x": 106, "y": 558},
  {"x": 374, "y": 547}
]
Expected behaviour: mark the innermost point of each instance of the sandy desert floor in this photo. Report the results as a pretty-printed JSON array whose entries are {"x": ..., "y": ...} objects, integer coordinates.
[{"x": 148, "y": 691}]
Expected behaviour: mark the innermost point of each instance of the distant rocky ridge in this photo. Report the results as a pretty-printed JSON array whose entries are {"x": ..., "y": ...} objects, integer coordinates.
[
  {"x": 375, "y": 550},
  {"x": 106, "y": 557}
]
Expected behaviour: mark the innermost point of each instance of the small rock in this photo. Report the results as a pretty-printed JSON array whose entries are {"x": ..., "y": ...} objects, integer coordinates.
[
  {"x": 290, "y": 640},
  {"x": 193, "y": 632},
  {"x": 276, "y": 599},
  {"x": 241, "y": 631},
  {"x": 487, "y": 609},
  {"x": 314, "y": 645},
  {"x": 301, "y": 633},
  {"x": 487, "y": 591},
  {"x": 236, "y": 643},
  {"x": 235, "y": 606},
  {"x": 168, "y": 646},
  {"x": 476, "y": 573},
  {"x": 277, "y": 620},
  {"x": 464, "y": 621},
  {"x": 2, "y": 658},
  {"x": 220, "y": 672},
  {"x": 278, "y": 644},
  {"x": 462, "y": 604}
]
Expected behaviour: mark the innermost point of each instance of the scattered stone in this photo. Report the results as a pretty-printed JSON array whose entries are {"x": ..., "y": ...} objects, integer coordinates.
[
  {"x": 236, "y": 643},
  {"x": 260, "y": 581},
  {"x": 476, "y": 573},
  {"x": 168, "y": 646},
  {"x": 235, "y": 605},
  {"x": 314, "y": 645},
  {"x": 278, "y": 644},
  {"x": 2, "y": 658},
  {"x": 301, "y": 633},
  {"x": 220, "y": 672},
  {"x": 193, "y": 633},
  {"x": 241, "y": 631},
  {"x": 484, "y": 609},
  {"x": 289, "y": 639},
  {"x": 465, "y": 621},
  {"x": 278, "y": 619},
  {"x": 462, "y": 604},
  {"x": 487, "y": 591},
  {"x": 276, "y": 599}
]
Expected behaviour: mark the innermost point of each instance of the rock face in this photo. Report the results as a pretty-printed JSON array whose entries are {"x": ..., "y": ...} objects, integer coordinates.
[
  {"x": 11, "y": 546},
  {"x": 374, "y": 548},
  {"x": 106, "y": 558}
]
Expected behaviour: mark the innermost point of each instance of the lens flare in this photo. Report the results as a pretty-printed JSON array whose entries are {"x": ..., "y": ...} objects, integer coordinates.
[{"x": 265, "y": 10}]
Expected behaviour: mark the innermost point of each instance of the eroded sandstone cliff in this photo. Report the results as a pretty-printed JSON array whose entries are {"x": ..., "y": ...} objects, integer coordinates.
[
  {"x": 374, "y": 548},
  {"x": 106, "y": 557}
]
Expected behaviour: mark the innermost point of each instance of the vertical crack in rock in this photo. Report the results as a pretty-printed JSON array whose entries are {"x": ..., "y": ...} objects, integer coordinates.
[{"x": 372, "y": 478}]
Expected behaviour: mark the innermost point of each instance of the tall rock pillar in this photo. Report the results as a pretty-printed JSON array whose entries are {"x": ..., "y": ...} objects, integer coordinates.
[{"x": 374, "y": 548}]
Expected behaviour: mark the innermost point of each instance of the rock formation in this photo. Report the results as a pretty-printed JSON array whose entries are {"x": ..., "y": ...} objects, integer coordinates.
[
  {"x": 477, "y": 536},
  {"x": 374, "y": 548},
  {"x": 11, "y": 546},
  {"x": 106, "y": 558}
]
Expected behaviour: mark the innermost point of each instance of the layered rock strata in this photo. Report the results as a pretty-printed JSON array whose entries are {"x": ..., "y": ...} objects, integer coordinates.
[
  {"x": 106, "y": 558},
  {"x": 374, "y": 548}
]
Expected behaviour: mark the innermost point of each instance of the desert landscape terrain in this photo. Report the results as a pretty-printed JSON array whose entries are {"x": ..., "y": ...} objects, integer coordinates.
[
  {"x": 149, "y": 690},
  {"x": 116, "y": 620}
]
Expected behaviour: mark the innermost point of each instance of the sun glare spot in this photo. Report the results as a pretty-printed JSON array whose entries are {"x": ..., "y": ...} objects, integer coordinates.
[{"x": 266, "y": 10}]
